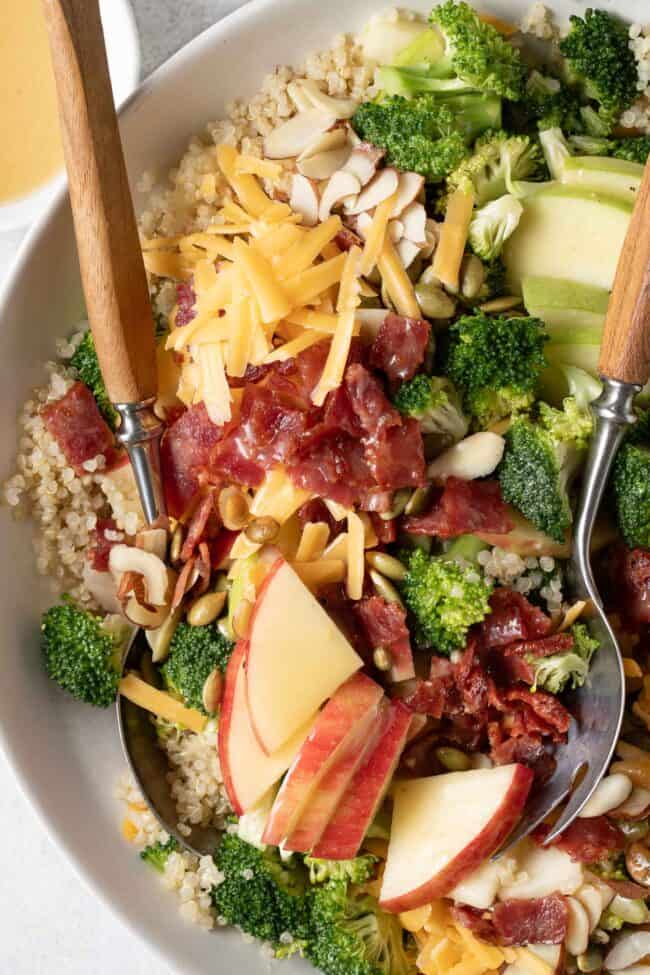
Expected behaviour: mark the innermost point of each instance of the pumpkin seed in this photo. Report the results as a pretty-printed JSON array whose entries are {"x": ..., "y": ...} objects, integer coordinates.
[
  {"x": 176, "y": 543},
  {"x": 497, "y": 305},
  {"x": 212, "y": 690},
  {"x": 400, "y": 500},
  {"x": 382, "y": 658},
  {"x": 233, "y": 508},
  {"x": 242, "y": 617},
  {"x": 206, "y": 608},
  {"x": 472, "y": 276},
  {"x": 591, "y": 960},
  {"x": 453, "y": 759},
  {"x": 262, "y": 530},
  {"x": 418, "y": 500},
  {"x": 384, "y": 588},
  {"x": 388, "y": 565},
  {"x": 434, "y": 302}
]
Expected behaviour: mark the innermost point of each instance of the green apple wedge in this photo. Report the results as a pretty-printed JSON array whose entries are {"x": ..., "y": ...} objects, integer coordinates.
[
  {"x": 568, "y": 232},
  {"x": 603, "y": 174},
  {"x": 565, "y": 304}
]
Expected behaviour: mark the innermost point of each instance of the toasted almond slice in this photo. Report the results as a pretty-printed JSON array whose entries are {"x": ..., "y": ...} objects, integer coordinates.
[
  {"x": 340, "y": 107},
  {"x": 294, "y": 135},
  {"x": 431, "y": 234},
  {"x": 378, "y": 189},
  {"x": 304, "y": 199},
  {"x": 299, "y": 96},
  {"x": 409, "y": 187},
  {"x": 152, "y": 540},
  {"x": 126, "y": 558},
  {"x": 363, "y": 162},
  {"x": 333, "y": 139},
  {"x": 414, "y": 221},
  {"x": 323, "y": 164},
  {"x": 340, "y": 186},
  {"x": 407, "y": 251},
  {"x": 148, "y": 619},
  {"x": 395, "y": 230},
  {"x": 362, "y": 222}
]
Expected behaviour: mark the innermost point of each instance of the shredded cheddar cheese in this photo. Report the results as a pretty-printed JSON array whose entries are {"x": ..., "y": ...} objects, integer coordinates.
[
  {"x": 356, "y": 557},
  {"x": 312, "y": 541},
  {"x": 160, "y": 703}
]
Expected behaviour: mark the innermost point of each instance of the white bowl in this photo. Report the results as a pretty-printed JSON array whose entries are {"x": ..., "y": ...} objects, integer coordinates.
[
  {"x": 123, "y": 50},
  {"x": 67, "y": 757}
]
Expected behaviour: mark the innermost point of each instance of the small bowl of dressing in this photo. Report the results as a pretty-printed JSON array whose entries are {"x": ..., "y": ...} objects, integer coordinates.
[{"x": 31, "y": 156}]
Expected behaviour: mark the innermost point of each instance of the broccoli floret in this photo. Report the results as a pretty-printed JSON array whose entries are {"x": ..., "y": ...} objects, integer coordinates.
[
  {"x": 496, "y": 363},
  {"x": 157, "y": 854},
  {"x": 556, "y": 150},
  {"x": 600, "y": 62},
  {"x": 633, "y": 150},
  {"x": 590, "y": 145},
  {"x": 630, "y": 484},
  {"x": 356, "y": 871},
  {"x": 477, "y": 53},
  {"x": 350, "y": 935},
  {"x": 548, "y": 103},
  {"x": 433, "y": 401},
  {"x": 499, "y": 161},
  {"x": 263, "y": 896},
  {"x": 492, "y": 224},
  {"x": 85, "y": 363},
  {"x": 446, "y": 596},
  {"x": 194, "y": 652},
  {"x": 418, "y": 135},
  {"x": 561, "y": 670},
  {"x": 83, "y": 652},
  {"x": 495, "y": 279},
  {"x": 540, "y": 462}
]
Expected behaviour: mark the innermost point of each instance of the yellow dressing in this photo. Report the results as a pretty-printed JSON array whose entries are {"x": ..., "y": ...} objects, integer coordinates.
[{"x": 30, "y": 146}]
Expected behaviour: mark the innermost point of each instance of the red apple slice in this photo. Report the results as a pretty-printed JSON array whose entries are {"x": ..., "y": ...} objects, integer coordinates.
[
  {"x": 358, "y": 807},
  {"x": 343, "y": 723},
  {"x": 444, "y": 827},
  {"x": 247, "y": 771},
  {"x": 297, "y": 657},
  {"x": 323, "y": 803}
]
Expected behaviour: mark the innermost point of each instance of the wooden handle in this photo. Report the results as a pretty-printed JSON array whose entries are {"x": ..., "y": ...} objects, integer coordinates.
[
  {"x": 112, "y": 271},
  {"x": 625, "y": 351}
]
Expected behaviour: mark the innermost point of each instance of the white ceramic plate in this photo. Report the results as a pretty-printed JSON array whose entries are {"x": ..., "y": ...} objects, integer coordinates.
[
  {"x": 67, "y": 757},
  {"x": 123, "y": 50}
]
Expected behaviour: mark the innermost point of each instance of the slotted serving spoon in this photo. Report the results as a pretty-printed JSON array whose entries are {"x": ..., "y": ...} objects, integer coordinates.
[{"x": 624, "y": 368}]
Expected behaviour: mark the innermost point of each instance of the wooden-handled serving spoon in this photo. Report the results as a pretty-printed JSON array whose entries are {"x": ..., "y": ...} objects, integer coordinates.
[
  {"x": 112, "y": 270},
  {"x": 624, "y": 368}
]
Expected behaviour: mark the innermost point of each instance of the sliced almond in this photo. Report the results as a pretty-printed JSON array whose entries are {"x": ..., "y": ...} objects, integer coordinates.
[
  {"x": 148, "y": 619},
  {"x": 414, "y": 221},
  {"x": 340, "y": 186},
  {"x": 362, "y": 222},
  {"x": 294, "y": 135},
  {"x": 326, "y": 141},
  {"x": 152, "y": 540},
  {"x": 395, "y": 230},
  {"x": 409, "y": 188},
  {"x": 340, "y": 107},
  {"x": 126, "y": 558},
  {"x": 323, "y": 164},
  {"x": 432, "y": 234},
  {"x": 299, "y": 96},
  {"x": 378, "y": 189},
  {"x": 304, "y": 199},
  {"x": 407, "y": 251},
  {"x": 363, "y": 162},
  {"x": 577, "y": 936}
]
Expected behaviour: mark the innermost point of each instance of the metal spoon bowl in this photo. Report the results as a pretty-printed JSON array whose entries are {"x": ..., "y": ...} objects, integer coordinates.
[{"x": 149, "y": 767}]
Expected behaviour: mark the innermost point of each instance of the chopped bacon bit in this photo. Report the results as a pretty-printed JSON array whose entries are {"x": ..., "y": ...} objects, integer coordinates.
[
  {"x": 203, "y": 566},
  {"x": 385, "y": 626},
  {"x": 586, "y": 840},
  {"x": 626, "y": 888},
  {"x": 100, "y": 547},
  {"x": 545, "y": 647},
  {"x": 463, "y": 508},
  {"x": 343, "y": 611},
  {"x": 78, "y": 427},
  {"x": 513, "y": 618},
  {"x": 184, "y": 583},
  {"x": 541, "y": 712},
  {"x": 185, "y": 452},
  {"x": 400, "y": 346},
  {"x": 542, "y": 920},
  {"x": 478, "y": 922},
  {"x": 630, "y": 570},
  {"x": 198, "y": 525},
  {"x": 186, "y": 300},
  {"x": 220, "y": 547},
  {"x": 396, "y": 457},
  {"x": 346, "y": 238},
  {"x": 384, "y": 529}
]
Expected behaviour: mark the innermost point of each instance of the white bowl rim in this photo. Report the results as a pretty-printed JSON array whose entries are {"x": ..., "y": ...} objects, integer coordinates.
[{"x": 21, "y": 212}]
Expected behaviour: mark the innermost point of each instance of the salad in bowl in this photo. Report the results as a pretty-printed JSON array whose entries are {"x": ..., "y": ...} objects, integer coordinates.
[{"x": 379, "y": 290}]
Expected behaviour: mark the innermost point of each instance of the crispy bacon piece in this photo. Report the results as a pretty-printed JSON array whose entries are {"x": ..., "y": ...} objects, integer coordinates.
[
  {"x": 185, "y": 452},
  {"x": 400, "y": 346},
  {"x": 185, "y": 301},
  {"x": 220, "y": 547},
  {"x": 586, "y": 840},
  {"x": 99, "y": 548},
  {"x": 542, "y": 712},
  {"x": 385, "y": 626},
  {"x": 385, "y": 530},
  {"x": 544, "y": 647},
  {"x": 184, "y": 583},
  {"x": 78, "y": 427},
  {"x": 633, "y": 582},
  {"x": 478, "y": 922},
  {"x": 464, "y": 507},
  {"x": 542, "y": 920},
  {"x": 626, "y": 888},
  {"x": 512, "y": 618},
  {"x": 396, "y": 456},
  {"x": 198, "y": 525}
]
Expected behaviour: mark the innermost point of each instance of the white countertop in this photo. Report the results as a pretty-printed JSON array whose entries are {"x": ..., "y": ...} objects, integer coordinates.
[{"x": 49, "y": 923}]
